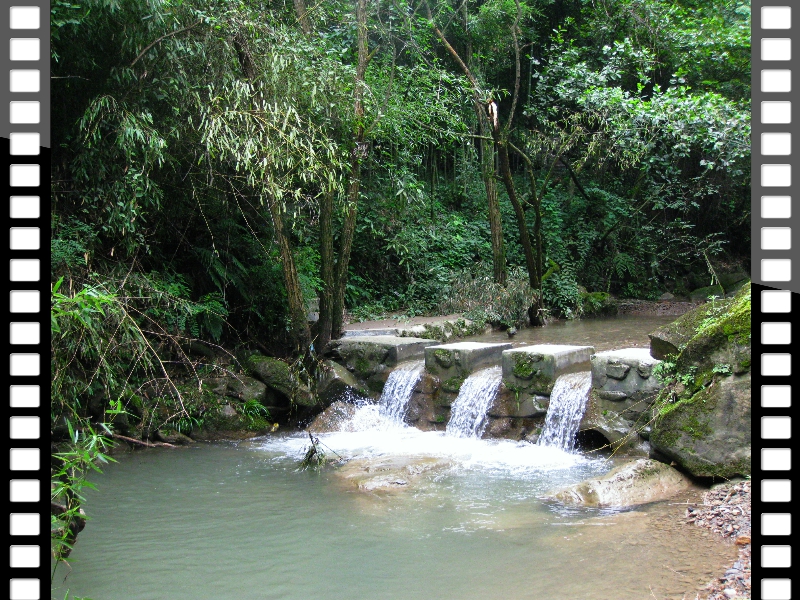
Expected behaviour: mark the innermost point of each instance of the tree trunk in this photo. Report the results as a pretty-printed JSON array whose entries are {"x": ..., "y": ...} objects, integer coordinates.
[
  {"x": 327, "y": 274},
  {"x": 299, "y": 332},
  {"x": 519, "y": 211},
  {"x": 358, "y": 153},
  {"x": 302, "y": 16},
  {"x": 487, "y": 156},
  {"x": 490, "y": 183}
]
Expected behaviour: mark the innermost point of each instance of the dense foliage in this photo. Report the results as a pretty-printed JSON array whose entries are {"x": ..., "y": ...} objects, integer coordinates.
[{"x": 218, "y": 165}]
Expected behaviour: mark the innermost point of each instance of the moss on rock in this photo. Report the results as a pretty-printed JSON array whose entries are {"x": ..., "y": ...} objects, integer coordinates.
[
  {"x": 526, "y": 366},
  {"x": 453, "y": 385},
  {"x": 704, "y": 412}
]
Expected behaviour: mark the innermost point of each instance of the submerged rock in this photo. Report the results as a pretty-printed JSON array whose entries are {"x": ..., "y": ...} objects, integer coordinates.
[
  {"x": 388, "y": 475},
  {"x": 641, "y": 481}
]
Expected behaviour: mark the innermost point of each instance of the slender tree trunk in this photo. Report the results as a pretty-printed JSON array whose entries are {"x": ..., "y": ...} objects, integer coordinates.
[
  {"x": 298, "y": 319},
  {"x": 327, "y": 274},
  {"x": 358, "y": 153},
  {"x": 302, "y": 16},
  {"x": 299, "y": 331},
  {"x": 519, "y": 211},
  {"x": 490, "y": 183},
  {"x": 487, "y": 156}
]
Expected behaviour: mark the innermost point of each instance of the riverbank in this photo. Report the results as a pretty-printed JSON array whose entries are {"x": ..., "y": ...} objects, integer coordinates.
[{"x": 725, "y": 511}]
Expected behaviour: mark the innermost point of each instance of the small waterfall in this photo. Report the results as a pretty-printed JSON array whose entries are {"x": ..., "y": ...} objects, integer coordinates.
[
  {"x": 468, "y": 413},
  {"x": 398, "y": 389},
  {"x": 567, "y": 405}
]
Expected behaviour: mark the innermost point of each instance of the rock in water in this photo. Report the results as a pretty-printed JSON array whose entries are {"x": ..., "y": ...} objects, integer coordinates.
[{"x": 641, "y": 481}]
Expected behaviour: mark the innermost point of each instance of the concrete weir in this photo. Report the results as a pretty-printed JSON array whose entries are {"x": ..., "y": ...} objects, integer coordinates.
[
  {"x": 534, "y": 369},
  {"x": 623, "y": 389},
  {"x": 451, "y": 362},
  {"x": 371, "y": 357}
]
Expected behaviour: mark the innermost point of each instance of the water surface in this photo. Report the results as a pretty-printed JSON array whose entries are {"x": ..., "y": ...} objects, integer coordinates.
[
  {"x": 238, "y": 520},
  {"x": 625, "y": 331}
]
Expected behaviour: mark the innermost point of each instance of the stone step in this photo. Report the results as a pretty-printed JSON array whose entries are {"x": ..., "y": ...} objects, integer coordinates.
[
  {"x": 623, "y": 389},
  {"x": 534, "y": 369},
  {"x": 389, "y": 350},
  {"x": 462, "y": 358},
  {"x": 624, "y": 374}
]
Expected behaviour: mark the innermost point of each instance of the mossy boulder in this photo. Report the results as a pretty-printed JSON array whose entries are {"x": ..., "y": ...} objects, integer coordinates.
[
  {"x": 246, "y": 388},
  {"x": 722, "y": 338},
  {"x": 708, "y": 434},
  {"x": 704, "y": 293},
  {"x": 703, "y": 416},
  {"x": 673, "y": 337},
  {"x": 277, "y": 375}
]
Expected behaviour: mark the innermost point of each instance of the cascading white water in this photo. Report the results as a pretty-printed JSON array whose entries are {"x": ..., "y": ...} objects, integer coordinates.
[
  {"x": 398, "y": 389},
  {"x": 468, "y": 413},
  {"x": 567, "y": 405}
]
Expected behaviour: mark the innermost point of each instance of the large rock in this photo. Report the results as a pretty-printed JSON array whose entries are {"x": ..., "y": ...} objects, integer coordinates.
[
  {"x": 335, "y": 382},
  {"x": 641, "y": 481},
  {"x": 277, "y": 376},
  {"x": 709, "y": 434},
  {"x": 246, "y": 388},
  {"x": 704, "y": 293},
  {"x": 671, "y": 339},
  {"x": 703, "y": 418},
  {"x": 333, "y": 418}
]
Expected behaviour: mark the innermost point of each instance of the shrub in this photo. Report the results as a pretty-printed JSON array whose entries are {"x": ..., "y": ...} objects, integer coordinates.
[{"x": 474, "y": 293}]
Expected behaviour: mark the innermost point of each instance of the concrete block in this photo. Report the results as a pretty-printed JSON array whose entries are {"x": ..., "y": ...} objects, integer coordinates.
[{"x": 534, "y": 369}]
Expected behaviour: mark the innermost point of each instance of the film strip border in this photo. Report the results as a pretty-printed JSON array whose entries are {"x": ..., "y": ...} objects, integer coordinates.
[
  {"x": 25, "y": 59},
  {"x": 773, "y": 297}
]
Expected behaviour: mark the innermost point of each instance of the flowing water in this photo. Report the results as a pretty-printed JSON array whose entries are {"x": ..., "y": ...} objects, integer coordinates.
[
  {"x": 468, "y": 412},
  {"x": 398, "y": 389},
  {"x": 239, "y": 521},
  {"x": 567, "y": 405},
  {"x": 409, "y": 515}
]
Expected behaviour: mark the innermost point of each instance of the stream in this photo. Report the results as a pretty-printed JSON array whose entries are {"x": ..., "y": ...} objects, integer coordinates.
[{"x": 466, "y": 519}]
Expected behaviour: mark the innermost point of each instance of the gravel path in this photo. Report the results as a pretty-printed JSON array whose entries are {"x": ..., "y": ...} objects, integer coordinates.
[{"x": 725, "y": 511}]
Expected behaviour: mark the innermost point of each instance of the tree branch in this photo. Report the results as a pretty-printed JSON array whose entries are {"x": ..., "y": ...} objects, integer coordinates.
[{"x": 163, "y": 37}]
